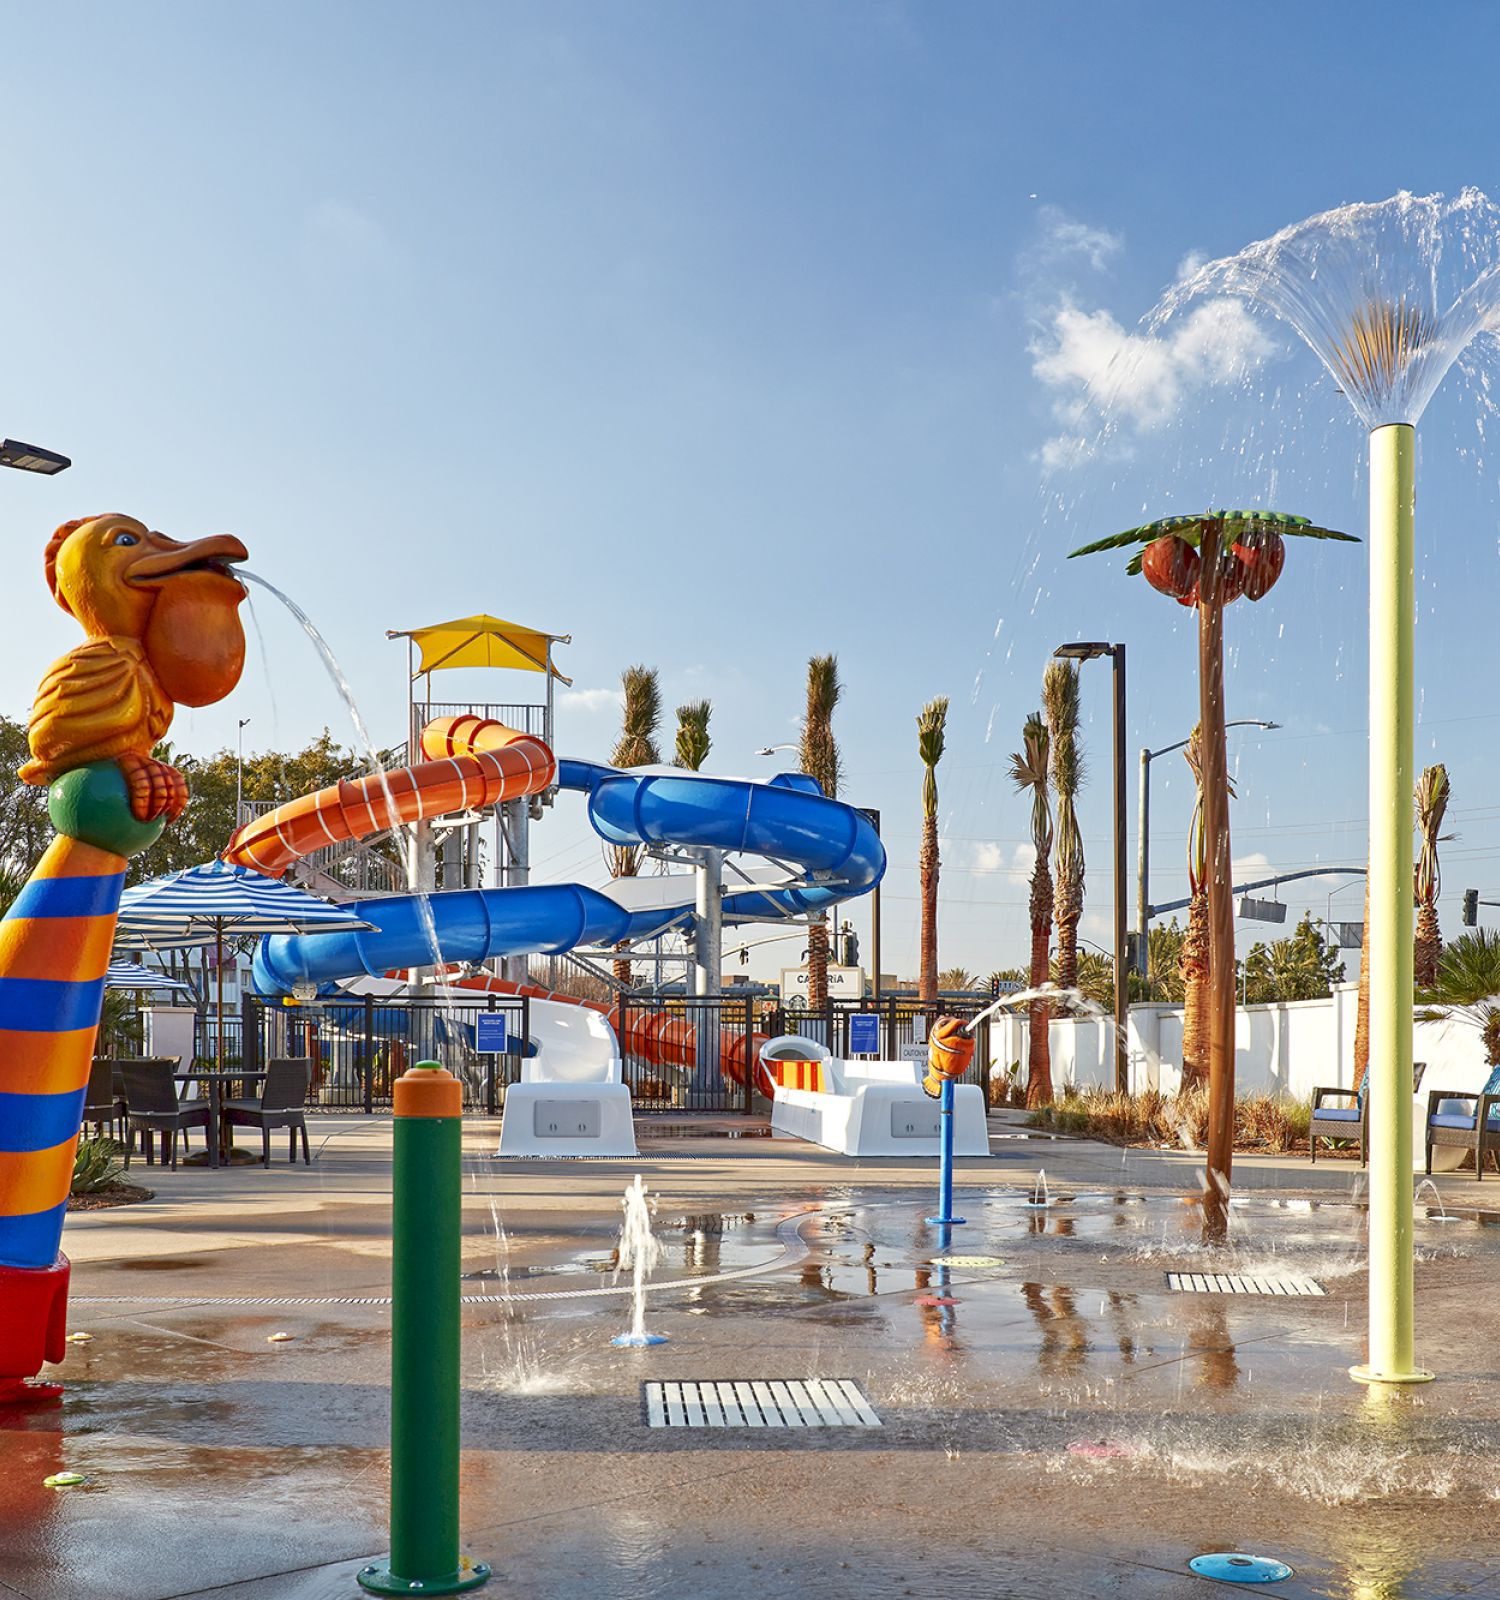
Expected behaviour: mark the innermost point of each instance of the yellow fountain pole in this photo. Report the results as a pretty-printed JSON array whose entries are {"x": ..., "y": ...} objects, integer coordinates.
[{"x": 1390, "y": 1356}]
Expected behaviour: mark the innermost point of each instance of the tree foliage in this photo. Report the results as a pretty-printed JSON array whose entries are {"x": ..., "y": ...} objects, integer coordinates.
[
  {"x": 693, "y": 741},
  {"x": 1299, "y": 967}
]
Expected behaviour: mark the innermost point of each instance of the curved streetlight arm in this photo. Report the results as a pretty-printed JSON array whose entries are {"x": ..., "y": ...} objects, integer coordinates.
[
  {"x": 1267, "y": 883},
  {"x": 1239, "y": 722}
]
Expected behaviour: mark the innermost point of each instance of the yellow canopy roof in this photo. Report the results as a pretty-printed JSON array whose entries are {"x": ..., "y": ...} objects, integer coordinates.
[{"x": 483, "y": 641}]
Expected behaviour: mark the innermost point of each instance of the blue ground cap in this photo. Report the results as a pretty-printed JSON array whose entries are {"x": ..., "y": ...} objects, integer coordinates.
[{"x": 1230, "y": 1566}]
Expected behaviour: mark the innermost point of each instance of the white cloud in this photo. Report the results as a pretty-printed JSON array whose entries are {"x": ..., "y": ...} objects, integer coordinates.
[
  {"x": 590, "y": 702},
  {"x": 1190, "y": 264},
  {"x": 1062, "y": 238},
  {"x": 1097, "y": 370},
  {"x": 1253, "y": 866}
]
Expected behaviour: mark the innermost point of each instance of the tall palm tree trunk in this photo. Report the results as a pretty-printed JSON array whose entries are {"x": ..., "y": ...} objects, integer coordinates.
[
  {"x": 1193, "y": 965},
  {"x": 820, "y": 760},
  {"x": 1039, "y": 1013},
  {"x": 929, "y": 866}
]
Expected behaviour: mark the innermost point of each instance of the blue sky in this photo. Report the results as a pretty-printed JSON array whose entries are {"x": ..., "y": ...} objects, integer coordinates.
[{"x": 722, "y": 335}]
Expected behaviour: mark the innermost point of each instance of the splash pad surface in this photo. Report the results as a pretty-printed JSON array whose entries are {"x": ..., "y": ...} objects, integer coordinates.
[{"x": 1066, "y": 1362}]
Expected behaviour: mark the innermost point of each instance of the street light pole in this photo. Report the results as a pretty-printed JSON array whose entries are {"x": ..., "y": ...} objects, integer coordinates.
[
  {"x": 239, "y": 774},
  {"x": 1143, "y": 842},
  {"x": 874, "y": 817},
  {"x": 1116, "y": 652}
]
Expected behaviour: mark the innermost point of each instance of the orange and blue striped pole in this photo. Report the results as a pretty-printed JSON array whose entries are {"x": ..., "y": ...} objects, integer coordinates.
[{"x": 54, "y": 950}]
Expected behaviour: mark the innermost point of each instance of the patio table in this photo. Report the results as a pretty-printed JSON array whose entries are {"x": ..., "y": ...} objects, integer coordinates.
[{"x": 217, "y": 1148}]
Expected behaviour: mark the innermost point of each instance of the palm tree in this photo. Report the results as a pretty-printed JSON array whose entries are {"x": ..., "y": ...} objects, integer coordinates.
[
  {"x": 820, "y": 760},
  {"x": 931, "y": 723},
  {"x": 1096, "y": 978},
  {"x": 1029, "y": 769},
  {"x": 693, "y": 742},
  {"x": 1467, "y": 987},
  {"x": 636, "y": 747},
  {"x": 1432, "y": 802},
  {"x": 951, "y": 978},
  {"x": 1060, "y": 700}
]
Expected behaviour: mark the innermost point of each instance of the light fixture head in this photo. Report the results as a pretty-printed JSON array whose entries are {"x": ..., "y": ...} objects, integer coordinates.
[
  {"x": 1087, "y": 650},
  {"x": 32, "y": 458}
]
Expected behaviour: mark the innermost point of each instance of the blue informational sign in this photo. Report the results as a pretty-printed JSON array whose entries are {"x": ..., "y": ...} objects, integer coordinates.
[
  {"x": 864, "y": 1034},
  {"x": 489, "y": 1033}
]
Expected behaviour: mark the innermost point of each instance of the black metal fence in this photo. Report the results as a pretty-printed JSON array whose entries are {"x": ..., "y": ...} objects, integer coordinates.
[{"x": 679, "y": 1053}]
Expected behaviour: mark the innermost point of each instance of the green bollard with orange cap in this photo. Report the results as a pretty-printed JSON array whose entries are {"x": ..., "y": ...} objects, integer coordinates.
[{"x": 428, "y": 1185}]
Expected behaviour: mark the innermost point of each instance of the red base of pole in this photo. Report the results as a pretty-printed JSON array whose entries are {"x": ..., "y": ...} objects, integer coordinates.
[{"x": 33, "y": 1328}]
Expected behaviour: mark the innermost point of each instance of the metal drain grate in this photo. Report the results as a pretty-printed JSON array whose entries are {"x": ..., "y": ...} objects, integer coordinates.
[
  {"x": 1238, "y": 1283},
  {"x": 774, "y": 1403}
]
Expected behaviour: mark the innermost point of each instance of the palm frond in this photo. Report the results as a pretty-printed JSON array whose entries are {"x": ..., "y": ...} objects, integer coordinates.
[
  {"x": 693, "y": 742},
  {"x": 931, "y": 725},
  {"x": 1432, "y": 802},
  {"x": 636, "y": 746},
  {"x": 1237, "y": 524},
  {"x": 819, "y": 750},
  {"x": 1029, "y": 770}
]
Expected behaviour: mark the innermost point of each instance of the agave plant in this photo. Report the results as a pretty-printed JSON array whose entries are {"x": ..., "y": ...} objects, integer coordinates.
[
  {"x": 1029, "y": 771},
  {"x": 820, "y": 760},
  {"x": 932, "y": 722},
  {"x": 97, "y": 1165}
]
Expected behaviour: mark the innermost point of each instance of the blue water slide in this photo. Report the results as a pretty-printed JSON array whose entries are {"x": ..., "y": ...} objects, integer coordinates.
[{"x": 788, "y": 820}]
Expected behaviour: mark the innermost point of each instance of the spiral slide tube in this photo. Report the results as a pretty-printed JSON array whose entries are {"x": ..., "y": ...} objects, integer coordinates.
[{"x": 788, "y": 820}]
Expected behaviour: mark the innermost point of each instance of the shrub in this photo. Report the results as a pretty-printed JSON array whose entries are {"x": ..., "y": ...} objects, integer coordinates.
[
  {"x": 1261, "y": 1121},
  {"x": 97, "y": 1165}
]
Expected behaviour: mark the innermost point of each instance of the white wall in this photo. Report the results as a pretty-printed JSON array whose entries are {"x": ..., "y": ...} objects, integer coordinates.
[{"x": 1288, "y": 1049}]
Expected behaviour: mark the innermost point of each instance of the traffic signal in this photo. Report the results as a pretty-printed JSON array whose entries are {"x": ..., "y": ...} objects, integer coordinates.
[
  {"x": 1471, "y": 908},
  {"x": 851, "y": 947}
]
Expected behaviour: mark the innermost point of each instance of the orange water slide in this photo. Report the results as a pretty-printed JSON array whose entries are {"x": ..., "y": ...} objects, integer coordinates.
[{"x": 471, "y": 763}]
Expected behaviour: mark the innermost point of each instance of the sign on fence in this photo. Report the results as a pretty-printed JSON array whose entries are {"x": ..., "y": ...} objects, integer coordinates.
[
  {"x": 844, "y": 983},
  {"x": 490, "y": 1033},
  {"x": 864, "y": 1034}
]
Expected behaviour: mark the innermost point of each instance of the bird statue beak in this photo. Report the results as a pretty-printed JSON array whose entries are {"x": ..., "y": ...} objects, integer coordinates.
[{"x": 214, "y": 554}]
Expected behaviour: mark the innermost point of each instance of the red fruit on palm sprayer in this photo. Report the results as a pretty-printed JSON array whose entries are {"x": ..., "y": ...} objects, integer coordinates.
[
  {"x": 1170, "y": 565},
  {"x": 1262, "y": 555},
  {"x": 1190, "y": 598}
]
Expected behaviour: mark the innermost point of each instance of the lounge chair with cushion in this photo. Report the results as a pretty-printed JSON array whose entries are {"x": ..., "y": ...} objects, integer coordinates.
[
  {"x": 1340, "y": 1122},
  {"x": 1469, "y": 1121}
]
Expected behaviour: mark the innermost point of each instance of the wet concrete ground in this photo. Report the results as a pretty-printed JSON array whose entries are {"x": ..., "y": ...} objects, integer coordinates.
[{"x": 1067, "y": 1427}]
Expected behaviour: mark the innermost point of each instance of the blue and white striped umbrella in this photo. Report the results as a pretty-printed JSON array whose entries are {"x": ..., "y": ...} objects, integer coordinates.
[
  {"x": 124, "y": 974},
  {"x": 214, "y": 901}
]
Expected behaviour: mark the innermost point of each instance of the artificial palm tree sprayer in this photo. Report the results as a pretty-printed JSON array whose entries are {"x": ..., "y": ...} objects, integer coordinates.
[{"x": 1207, "y": 562}]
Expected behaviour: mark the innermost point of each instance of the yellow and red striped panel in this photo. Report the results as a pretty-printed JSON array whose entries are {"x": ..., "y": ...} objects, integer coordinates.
[
  {"x": 797, "y": 1074},
  {"x": 54, "y": 951}
]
